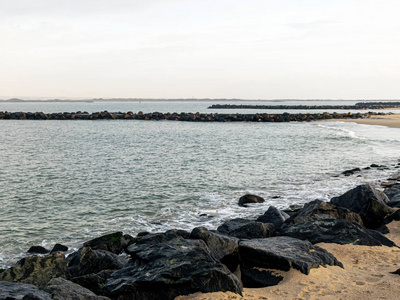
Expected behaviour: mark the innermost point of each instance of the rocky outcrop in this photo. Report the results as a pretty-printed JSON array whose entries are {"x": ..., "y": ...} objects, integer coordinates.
[
  {"x": 12, "y": 290},
  {"x": 335, "y": 231},
  {"x": 246, "y": 229},
  {"x": 273, "y": 216},
  {"x": 170, "y": 267},
  {"x": 62, "y": 289},
  {"x": 37, "y": 270},
  {"x": 368, "y": 202},
  {"x": 249, "y": 198}
]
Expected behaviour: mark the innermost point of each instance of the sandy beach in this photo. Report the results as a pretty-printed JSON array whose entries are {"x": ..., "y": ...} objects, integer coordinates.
[
  {"x": 366, "y": 275},
  {"x": 385, "y": 120}
]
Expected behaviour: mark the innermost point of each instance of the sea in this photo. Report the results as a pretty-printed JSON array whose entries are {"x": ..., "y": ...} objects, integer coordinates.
[{"x": 69, "y": 181}]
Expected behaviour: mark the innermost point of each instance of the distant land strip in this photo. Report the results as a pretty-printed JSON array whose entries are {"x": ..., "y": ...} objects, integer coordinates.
[
  {"x": 188, "y": 117},
  {"x": 360, "y": 105}
]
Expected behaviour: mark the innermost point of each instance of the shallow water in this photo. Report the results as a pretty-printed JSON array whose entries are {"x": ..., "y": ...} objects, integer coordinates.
[{"x": 68, "y": 181}]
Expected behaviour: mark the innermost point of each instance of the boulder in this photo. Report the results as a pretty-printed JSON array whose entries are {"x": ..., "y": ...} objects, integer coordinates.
[
  {"x": 113, "y": 242},
  {"x": 250, "y": 199},
  {"x": 37, "y": 270},
  {"x": 95, "y": 281},
  {"x": 58, "y": 248},
  {"x": 274, "y": 216},
  {"x": 13, "y": 290},
  {"x": 368, "y": 202},
  {"x": 223, "y": 248},
  {"x": 258, "y": 278},
  {"x": 319, "y": 210},
  {"x": 351, "y": 172},
  {"x": 165, "y": 266},
  {"x": 246, "y": 229},
  {"x": 87, "y": 261},
  {"x": 62, "y": 289},
  {"x": 284, "y": 253},
  {"x": 393, "y": 217},
  {"x": 335, "y": 231},
  {"x": 393, "y": 193},
  {"x": 397, "y": 272},
  {"x": 38, "y": 250}
]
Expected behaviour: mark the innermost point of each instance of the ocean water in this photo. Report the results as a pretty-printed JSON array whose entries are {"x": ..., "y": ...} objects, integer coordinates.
[{"x": 69, "y": 181}]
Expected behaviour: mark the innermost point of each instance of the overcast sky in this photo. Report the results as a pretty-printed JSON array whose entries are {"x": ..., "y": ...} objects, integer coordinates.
[{"x": 267, "y": 49}]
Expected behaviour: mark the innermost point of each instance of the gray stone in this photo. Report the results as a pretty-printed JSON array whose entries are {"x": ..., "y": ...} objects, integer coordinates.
[
  {"x": 246, "y": 229},
  {"x": 250, "y": 199},
  {"x": 13, "y": 290},
  {"x": 274, "y": 216}
]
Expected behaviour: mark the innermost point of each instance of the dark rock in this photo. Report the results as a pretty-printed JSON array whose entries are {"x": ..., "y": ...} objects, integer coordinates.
[
  {"x": 38, "y": 250},
  {"x": 250, "y": 199},
  {"x": 58, "y": 248},
  {"x": 368, "y": 202},
  {"x": 223, "y": 248},
  {"x": 383, "y": 229},
  {"x": 393, "y": 193},
  {"x": 319, "y": 210},
  {"x": 351, "y": 172},
  {"x": 256, "y": 278},
  {"x": 393, "y": 217},
  {"x": 143, "y": 233},
  {"x": 37, "y": 270},
  {"x": 94, "y": 282},
  {"x": 396, "y": 272},
  {"x": 246, "y": 229},
  {"x": 335, "y": 231},
  {"x": 274, "y": 216},
  {"x": 284, "y": 253},
  {"x": 113, "y": 242},
  {"x": 165, "y": 266},
  {"x": 87, "y": 261},
  {"x": 62, "y": 289},
  {"x": 12, "y": 290}
]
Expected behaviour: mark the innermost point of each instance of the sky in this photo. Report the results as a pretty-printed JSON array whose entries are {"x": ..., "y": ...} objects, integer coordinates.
[{"x": 267, "y": 49}]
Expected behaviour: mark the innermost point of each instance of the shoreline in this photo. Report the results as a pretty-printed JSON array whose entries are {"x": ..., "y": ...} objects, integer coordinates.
[{"x": 392, "y": 120}]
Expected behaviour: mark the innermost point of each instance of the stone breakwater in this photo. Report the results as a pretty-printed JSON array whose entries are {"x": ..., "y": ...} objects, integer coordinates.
[
  {"x": 375, "y": 105},
  {"x": 165, "y": 265},
  {"x": 187, "y": 117}
]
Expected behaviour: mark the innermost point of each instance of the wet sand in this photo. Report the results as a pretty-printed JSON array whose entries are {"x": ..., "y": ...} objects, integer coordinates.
[
  {"x": 366, "y": 275},
  {"x": 386, "y": 120}
]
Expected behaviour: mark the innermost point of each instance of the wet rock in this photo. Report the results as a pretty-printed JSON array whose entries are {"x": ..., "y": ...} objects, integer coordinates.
[
  {"x": 94, "y": 282},
  {"x": 351, "y": 172},
  {"x": 246, "y": 229},
  {"x": 87, "y": 261},
  {"x": 274, "y": 216},
  {"x": 12, "y": 290},
  {"x": 62, "y": 289},
  {"x": 258, "y": 278},
  {"x": 284, "y": 253},
  {"x": 165, "y": 266},
  {"x": 113, "y": 242},
  {"x": 319, "y": 210},
  {"x": 38, "y": 250},
  {"x": 393, "y": 193},
  {"x": 223, "y": 248},
  {"x": 58, "y": 248},
  {"x": 37, "y": 270},
  {"x": 368, "y": 202},
  {"x": 393, "y": 217},
  {"x": 250, "y": 199},
  {"x": 335, "y": 231}
]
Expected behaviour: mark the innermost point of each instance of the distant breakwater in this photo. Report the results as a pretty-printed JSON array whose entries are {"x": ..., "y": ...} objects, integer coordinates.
[
  {"x": 188, "y": 117},
  {"x": 361, "y": 105}
]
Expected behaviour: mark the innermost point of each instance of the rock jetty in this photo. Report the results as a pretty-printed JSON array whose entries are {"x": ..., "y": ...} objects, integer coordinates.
[
  {"x": 186, "y": 117},
  {"x": 250, "y": 253}
]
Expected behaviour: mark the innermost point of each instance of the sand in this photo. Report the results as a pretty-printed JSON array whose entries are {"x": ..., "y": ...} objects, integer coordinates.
[
  {"x": 366, "y": 275},
  {"x": 385, "y": 120}
]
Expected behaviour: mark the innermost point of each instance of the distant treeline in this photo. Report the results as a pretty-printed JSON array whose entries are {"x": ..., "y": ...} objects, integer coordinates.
[{"x": 360, "y": 105}]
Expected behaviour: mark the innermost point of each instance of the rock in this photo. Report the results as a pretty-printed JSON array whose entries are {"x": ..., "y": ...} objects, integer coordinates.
[
  {"x": 351, "y": 172},
  {"x": 62, "y": 289},
  {"x": 284, "y": 253},
  {"x": 396, "y": 272},
  {"x": 94, "y": 282},
  {"x": 368, "y": 202},
  {"x": 319, "y": 210},
  {"x": 37, "y": 270},
  {"x": 13, "y": 290},
  {"x": 335, "y": 231},
  {"x": 223, "y": 248},
  {"x": 38, "y": 250},
  {"x": 166, "y": 266},
  {"x": 274, "y": 216},
  {"x": 393, "y": 193},
  {"x": 250, "y": 199},
  {"x": 58, "y": 248},
  {"x": 113, "y": 242},
  {"x": 88, "y": 261},
  {"x": 246, "y": 229},
  {"x": 393, "y": 217},
  {"x": 256, "y": 278}
]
